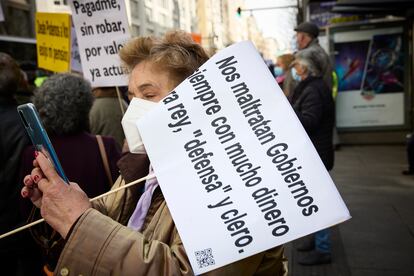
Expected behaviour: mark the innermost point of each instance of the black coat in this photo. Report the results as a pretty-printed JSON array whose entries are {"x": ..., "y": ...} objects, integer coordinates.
[
  {"x": 314, "y": 106},
  {"x": 19, "y": 248},
  {"x": 13, "y": 140}
]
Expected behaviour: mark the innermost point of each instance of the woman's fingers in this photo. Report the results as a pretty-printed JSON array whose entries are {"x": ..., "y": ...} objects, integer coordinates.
[
  {"x": 31, "y": 191},
  {"x": 28, "y": 181},
  {"x": 35, "y": 163},
  {"x": 26, "y": 192},
  {"x": 47, "y": 169},
  {"x": 36, "y": 175}
]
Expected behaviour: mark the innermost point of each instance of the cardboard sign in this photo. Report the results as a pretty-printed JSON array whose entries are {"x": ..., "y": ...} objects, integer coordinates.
[
  {"x": 53, "y": 41},
  {"x": 237, "y": 169},
  {"x": 102, "y": 29},
  {"x": 75, "y": 61}
]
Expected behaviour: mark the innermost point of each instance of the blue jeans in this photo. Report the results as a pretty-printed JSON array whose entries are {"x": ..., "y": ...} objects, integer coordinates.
[{"x": 323, "y": 241}]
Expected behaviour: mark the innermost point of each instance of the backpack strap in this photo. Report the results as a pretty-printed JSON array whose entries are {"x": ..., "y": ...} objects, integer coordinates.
[{"x": 104, "y": 159}]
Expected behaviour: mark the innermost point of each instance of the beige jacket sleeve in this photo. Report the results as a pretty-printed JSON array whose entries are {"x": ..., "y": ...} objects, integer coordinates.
[{"x": 99, "y": 245}]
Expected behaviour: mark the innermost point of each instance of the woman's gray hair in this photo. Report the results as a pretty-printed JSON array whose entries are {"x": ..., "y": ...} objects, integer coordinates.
[
  {"x": 309, "y": 58},
  {"x": 64, "y": 102}
]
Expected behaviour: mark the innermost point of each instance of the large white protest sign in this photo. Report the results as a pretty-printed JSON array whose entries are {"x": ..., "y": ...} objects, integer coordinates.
[
  {"x": 101, "y": 29},
  {"x": 236, "y": 167}
]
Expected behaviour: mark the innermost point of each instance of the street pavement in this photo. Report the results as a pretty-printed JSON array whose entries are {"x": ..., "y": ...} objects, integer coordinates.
[{"x": 379, "y": 238}]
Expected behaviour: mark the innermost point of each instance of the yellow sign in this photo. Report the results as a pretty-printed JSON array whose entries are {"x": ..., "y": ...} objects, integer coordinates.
[{"x": 53, "y": 41}]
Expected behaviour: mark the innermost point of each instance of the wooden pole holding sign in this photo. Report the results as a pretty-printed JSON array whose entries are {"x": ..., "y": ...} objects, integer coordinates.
[
  {"x": 91, "y": 200},
  {"x": 120, "y": 100}
]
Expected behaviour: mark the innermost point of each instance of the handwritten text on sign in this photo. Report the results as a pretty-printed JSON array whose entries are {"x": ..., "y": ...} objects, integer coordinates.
[
  {"x": 227, "y": 140},
  {"x": 53, "y": 41},
  {"x": 102, "y": 29}
]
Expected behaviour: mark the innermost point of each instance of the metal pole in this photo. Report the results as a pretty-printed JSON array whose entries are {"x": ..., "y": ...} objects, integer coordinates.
[{"x": 270, "y": 8}]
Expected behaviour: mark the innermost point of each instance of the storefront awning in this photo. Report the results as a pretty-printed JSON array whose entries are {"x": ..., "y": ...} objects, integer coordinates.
[
  {"x": 373, "y": 2},
  {"x": 396, "y": 7}
]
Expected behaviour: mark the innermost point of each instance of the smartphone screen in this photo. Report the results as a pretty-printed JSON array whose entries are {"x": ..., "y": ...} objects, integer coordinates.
[{"x": 40, "y": 140}]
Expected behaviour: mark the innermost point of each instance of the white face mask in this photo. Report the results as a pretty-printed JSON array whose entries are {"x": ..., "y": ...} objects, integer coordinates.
[{"x": 136, "y": 110}]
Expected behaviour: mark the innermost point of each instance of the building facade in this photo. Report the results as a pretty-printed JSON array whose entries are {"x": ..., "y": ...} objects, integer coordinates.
[
  {"x": 220, "y": 26},
  {"x": 211, "y": 24},
  {"x": 156, "y": 17},
  {"x": 18, "y": 18},
  {"x": 235, "y": 25}
]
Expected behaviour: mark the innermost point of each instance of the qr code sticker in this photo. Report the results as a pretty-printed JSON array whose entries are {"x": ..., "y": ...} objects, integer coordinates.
[{"x": 205, "y": 257}]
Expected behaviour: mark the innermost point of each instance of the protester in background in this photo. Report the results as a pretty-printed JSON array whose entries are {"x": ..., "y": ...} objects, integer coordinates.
[
  {"x": 30, "y": 68},
  {"x": 17, "y": 255},
  {"x": 314, "y": 106},
  {"x": 23, "y": 94},
  {"x": 150, "y": 245},
  {"x": 307, "y": 38},
  {"x": 106, "y": 114},
  {"x": 282, "y": 67}
]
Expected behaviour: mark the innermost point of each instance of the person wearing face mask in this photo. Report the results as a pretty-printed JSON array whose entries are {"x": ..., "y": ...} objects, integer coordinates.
[
  {"x": 282, "y": 66},
  {"x": 307, "y": 39},
  {"x": 122, "y": 234},
  {"x": 313, "y": 103}
]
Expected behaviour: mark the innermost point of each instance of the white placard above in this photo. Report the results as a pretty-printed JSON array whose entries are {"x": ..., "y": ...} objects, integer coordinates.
[{"x": 101, "y": 29}]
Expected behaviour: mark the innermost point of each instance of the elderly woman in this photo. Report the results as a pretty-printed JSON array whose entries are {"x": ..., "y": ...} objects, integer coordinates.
[
  {"x": 314, "y": 106},
  {"x": 98, "y": 243},
  {"x": 64, "y": 102}
]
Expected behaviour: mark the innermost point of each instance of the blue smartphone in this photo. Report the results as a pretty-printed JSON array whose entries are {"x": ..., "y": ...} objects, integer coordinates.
[{"x": 38, "y": 135}]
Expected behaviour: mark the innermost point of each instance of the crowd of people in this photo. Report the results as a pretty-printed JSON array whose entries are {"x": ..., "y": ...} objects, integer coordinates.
[{"x": 130, "y": 232}]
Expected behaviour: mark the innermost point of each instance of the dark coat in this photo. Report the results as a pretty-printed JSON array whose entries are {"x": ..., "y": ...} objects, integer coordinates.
[
  {"x": 19, "y": 247},
  {"x": 13, "y": 140},
  {"x": 324, "y": 61},
  {"x": 314, "y": 106}
]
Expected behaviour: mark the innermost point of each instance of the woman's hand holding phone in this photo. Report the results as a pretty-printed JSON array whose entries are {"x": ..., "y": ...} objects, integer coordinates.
[
  {"x": 30, "y": 189},
  {"x": 61, "y": 204}
]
